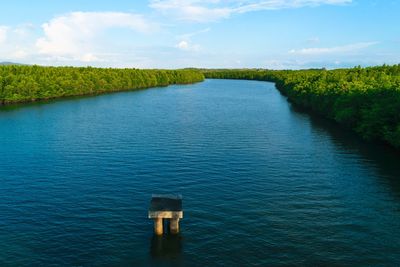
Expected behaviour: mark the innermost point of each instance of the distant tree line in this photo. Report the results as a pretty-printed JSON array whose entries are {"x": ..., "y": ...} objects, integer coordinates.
[
  {"x": 364, "y": 99},
  {"x": 32, "y": 83}
]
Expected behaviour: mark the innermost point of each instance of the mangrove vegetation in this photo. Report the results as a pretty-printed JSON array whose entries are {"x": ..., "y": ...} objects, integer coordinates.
[
  {"x": 31, "y": 83},
  {"x": 366, "y": 100}
]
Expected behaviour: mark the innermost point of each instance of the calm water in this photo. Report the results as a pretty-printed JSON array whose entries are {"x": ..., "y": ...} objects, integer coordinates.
[{"x": 263, "y": 184}]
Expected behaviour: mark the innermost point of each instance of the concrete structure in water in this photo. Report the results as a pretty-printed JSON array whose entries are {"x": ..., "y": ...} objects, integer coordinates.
[{"x": 166, "y": 207}]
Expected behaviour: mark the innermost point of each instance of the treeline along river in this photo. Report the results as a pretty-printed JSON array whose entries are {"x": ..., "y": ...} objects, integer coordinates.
[
  {"x": 366, "y": 100},
  {"x": 33, "y": 83},
  {"x": 263, "y": 182}
]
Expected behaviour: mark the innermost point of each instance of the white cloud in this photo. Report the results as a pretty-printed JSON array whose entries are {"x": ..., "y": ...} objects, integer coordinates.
[
  {"x": 183, "y": 45},
  {"x": 3, "y": 33},
  {"x": 332, "y": 50},
  {"x": 190, "y": 35},
  {"x": 253, "y": 5},
  {"x": 15, "y": 42},
  {"x": 212, "y": 10},
  {"x": 74, "y": 35},
  {"x": 188, "y": 46},
  {"x": 186, "y": 43},
  {"x": 19, "y": 54},
  {"x": 191, "y": 10},
  {"x": 89, "y": 57},
  {"x": 23, "y": 30}
]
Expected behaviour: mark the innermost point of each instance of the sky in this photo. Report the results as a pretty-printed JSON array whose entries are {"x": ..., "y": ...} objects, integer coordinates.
[{"x": 274, "y": 34}]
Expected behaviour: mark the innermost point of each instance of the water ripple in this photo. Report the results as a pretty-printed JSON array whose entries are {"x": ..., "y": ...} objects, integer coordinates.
[{"x": 264, "y": 184}]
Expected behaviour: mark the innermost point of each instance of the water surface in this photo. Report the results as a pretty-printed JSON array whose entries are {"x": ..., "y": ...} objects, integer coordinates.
[{"x": 263, "y": 183}]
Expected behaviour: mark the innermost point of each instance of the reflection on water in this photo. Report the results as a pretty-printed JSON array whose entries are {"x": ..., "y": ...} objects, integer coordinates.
[
  {"x": 166, "y": 248},
  {"x": 383, "y": 157},
  {"x": 263, "y": 182}
]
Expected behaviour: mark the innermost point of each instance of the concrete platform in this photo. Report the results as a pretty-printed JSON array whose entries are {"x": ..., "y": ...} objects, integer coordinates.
[{"x": 167, "y": 206}]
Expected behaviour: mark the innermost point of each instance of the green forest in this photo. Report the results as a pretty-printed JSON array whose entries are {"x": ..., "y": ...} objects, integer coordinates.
[
  {"x": 366, "y": 100},
  {"x": 31, "y": 83}
]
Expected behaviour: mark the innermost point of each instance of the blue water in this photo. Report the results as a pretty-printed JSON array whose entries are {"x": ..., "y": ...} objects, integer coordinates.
[{"x": 263, "y": 183}]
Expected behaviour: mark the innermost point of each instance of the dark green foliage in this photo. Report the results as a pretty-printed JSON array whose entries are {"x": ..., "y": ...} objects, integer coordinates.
[
  {"x": 364, "y": 99},
  {"x": 31, "y": 83}
]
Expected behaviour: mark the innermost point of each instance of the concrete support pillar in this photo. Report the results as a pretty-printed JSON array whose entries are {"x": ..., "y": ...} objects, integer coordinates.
[
  {"x": 174, "y": 225},
  {"x": 166, "y": 207},
  {"x": 158, "y": 226}
]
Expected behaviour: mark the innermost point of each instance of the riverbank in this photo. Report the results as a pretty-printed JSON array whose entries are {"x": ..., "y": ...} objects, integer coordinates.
[
  {"x": 366, "y": 100},
  {"x": 76, "y": 178},
  {"x": 21, "y": 84}
]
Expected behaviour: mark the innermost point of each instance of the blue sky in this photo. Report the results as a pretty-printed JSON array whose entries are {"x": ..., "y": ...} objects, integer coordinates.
[{"x": 274, "y": 34}]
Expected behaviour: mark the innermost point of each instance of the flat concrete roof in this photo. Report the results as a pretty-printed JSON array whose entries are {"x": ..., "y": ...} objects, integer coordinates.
[{"x": 166, "y": 202}]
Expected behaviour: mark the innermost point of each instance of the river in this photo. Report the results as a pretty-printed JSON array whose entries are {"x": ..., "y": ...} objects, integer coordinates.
[{"x": 263, "y": 183}]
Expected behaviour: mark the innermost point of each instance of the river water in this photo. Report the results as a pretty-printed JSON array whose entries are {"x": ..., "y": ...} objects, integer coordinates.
[{"x": 262, "y": 182}]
